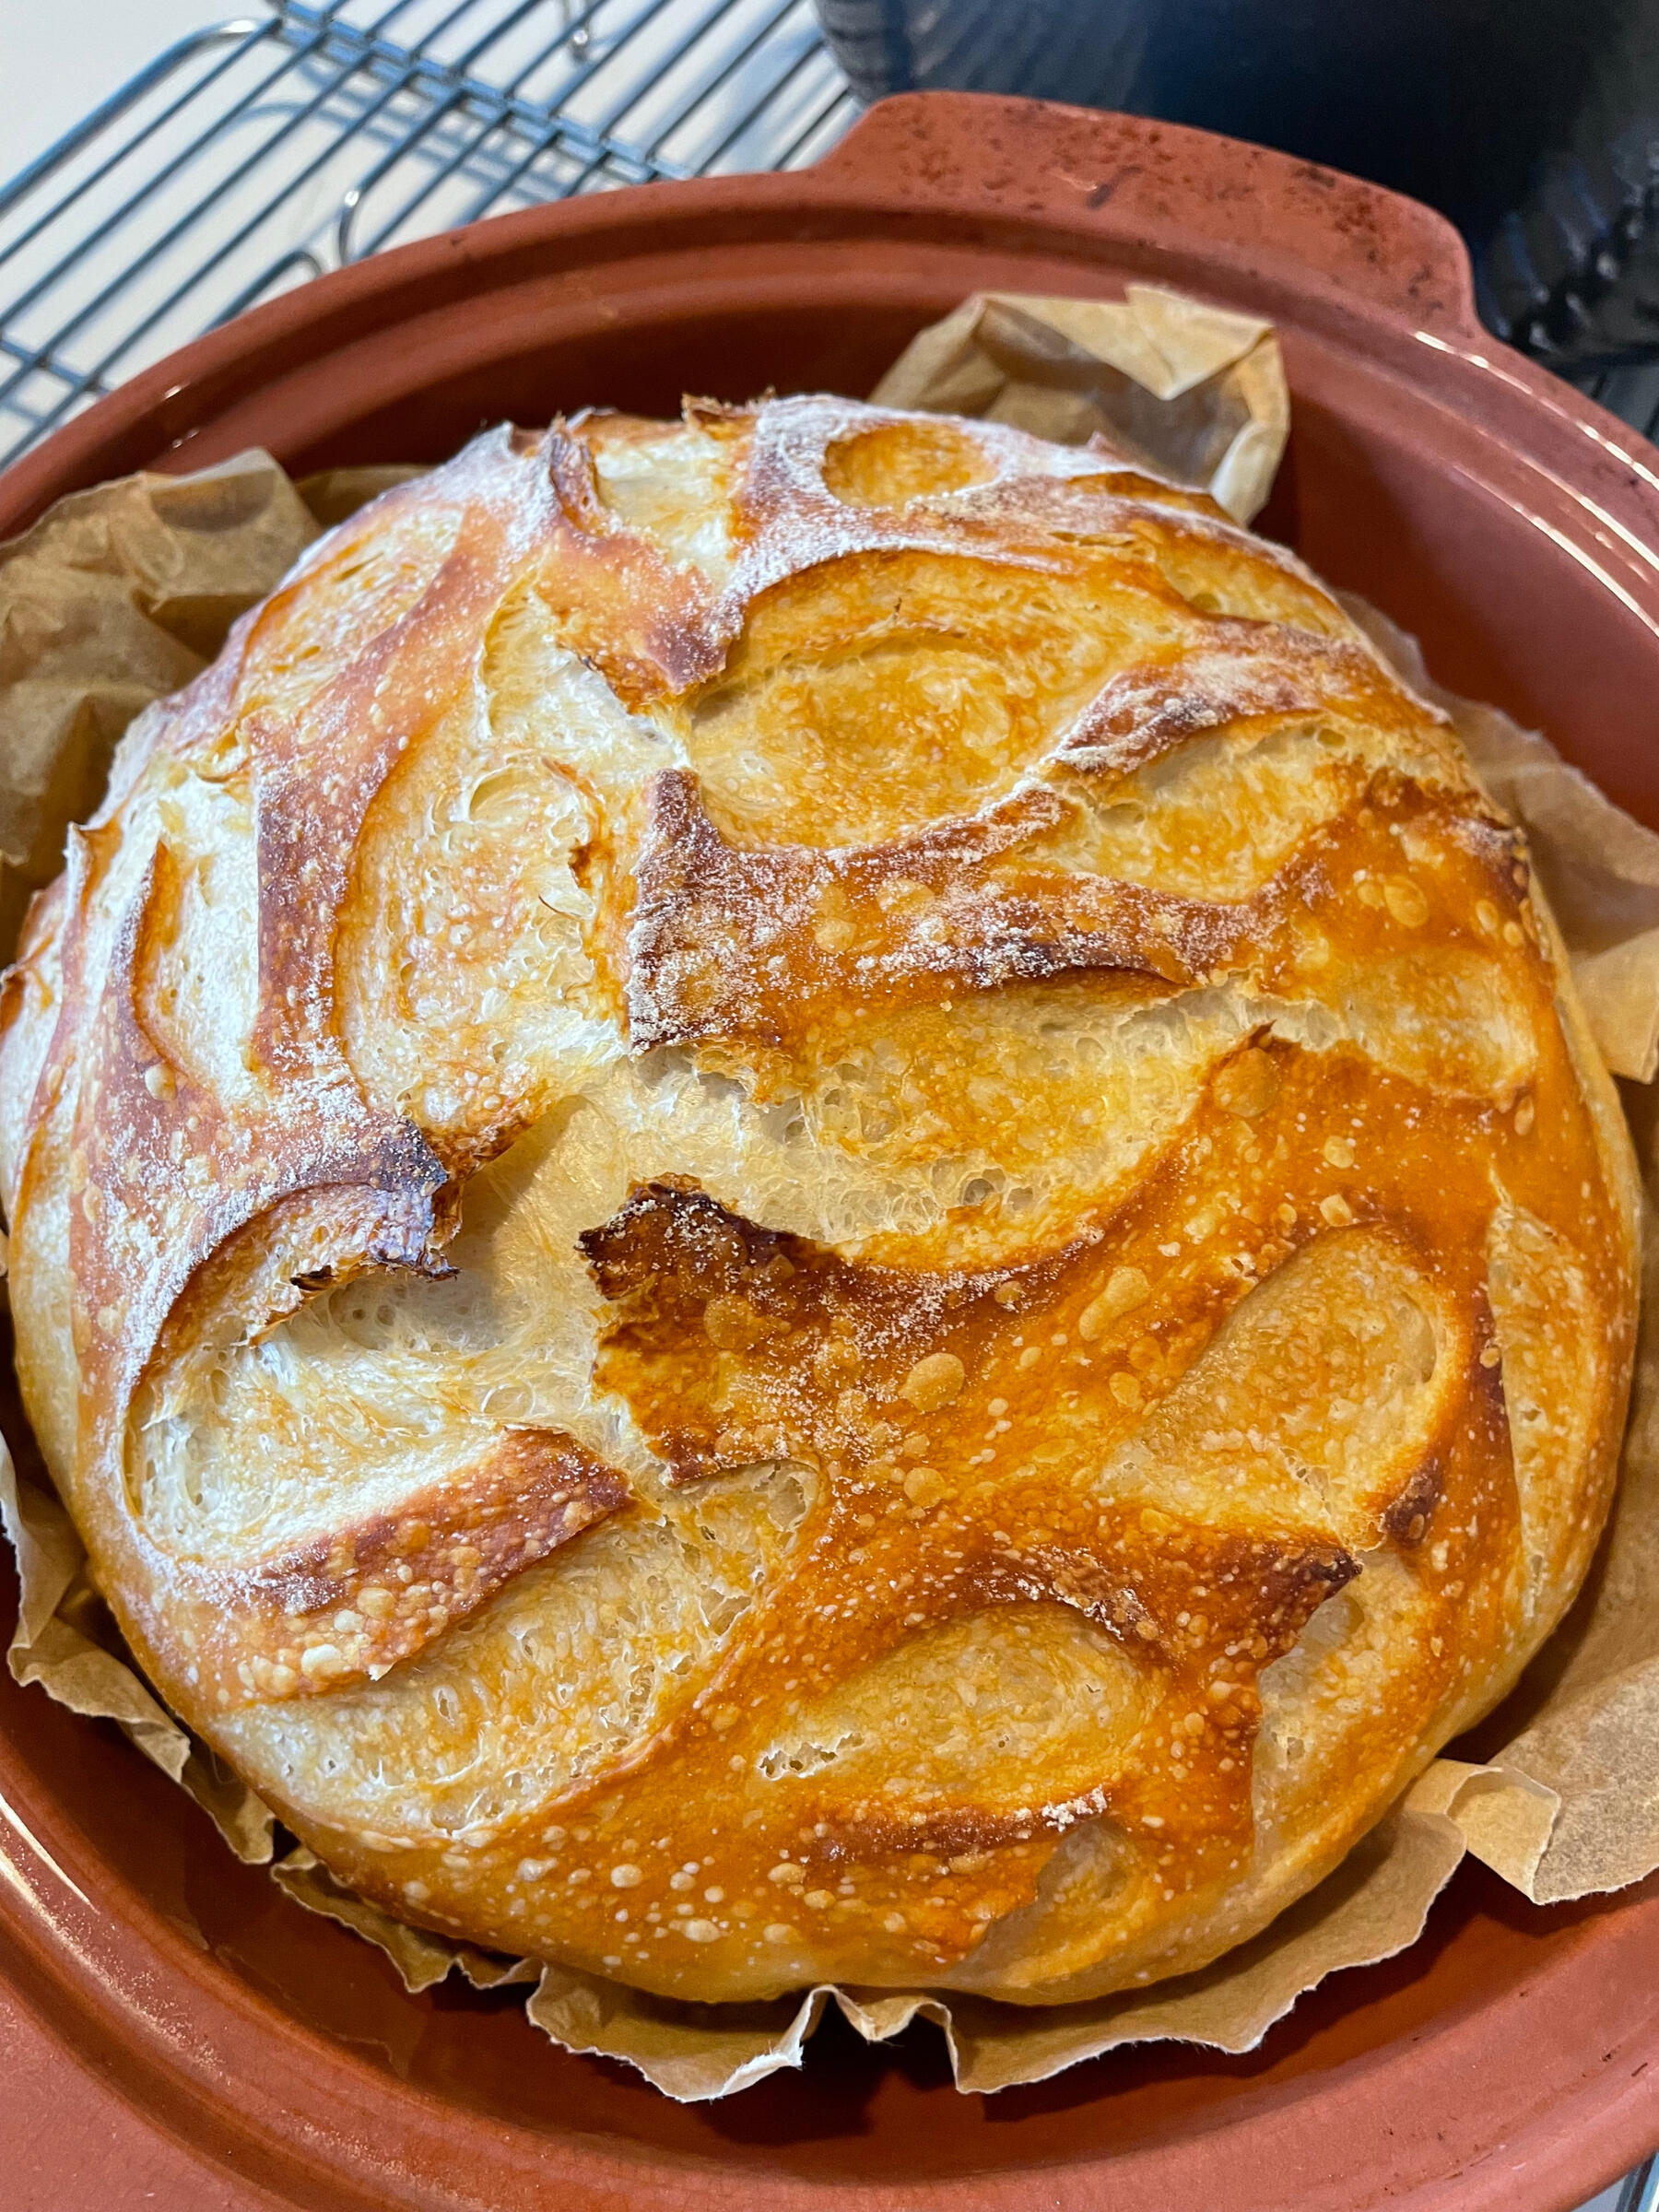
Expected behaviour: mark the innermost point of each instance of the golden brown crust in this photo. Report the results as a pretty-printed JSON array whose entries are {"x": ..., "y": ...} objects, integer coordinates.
[
  {"x": 808, "y": 1195},
  {"x": 348, "y": 1607}
]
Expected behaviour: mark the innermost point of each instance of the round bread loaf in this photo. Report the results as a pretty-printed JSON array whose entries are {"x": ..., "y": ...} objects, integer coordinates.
[{"x": 808, "y": 1195}]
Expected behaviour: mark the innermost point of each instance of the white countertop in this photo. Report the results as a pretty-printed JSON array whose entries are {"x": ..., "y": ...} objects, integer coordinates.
[{"x": 59, "y": 58}]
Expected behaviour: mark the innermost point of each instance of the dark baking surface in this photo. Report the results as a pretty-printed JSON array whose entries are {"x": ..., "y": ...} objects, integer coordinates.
[{"x": 1502, "y": 2063}]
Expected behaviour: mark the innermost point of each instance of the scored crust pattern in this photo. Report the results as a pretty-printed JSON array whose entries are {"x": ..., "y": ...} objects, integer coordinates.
[{"x": 809, "y": 1195}]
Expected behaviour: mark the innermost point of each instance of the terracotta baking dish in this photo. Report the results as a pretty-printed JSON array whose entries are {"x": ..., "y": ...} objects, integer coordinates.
[{"x": 1502, "y": 2063}]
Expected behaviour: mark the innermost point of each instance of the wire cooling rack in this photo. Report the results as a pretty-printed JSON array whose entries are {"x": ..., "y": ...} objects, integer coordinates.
[{"x": 261, "y": 151}]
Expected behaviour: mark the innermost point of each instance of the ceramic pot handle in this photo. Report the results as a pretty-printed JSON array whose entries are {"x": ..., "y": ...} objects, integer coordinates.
[{"x": 1175, "y": 194}]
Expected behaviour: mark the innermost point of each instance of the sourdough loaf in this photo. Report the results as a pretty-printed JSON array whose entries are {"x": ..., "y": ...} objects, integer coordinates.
[{"x": 808, "y": 1197}]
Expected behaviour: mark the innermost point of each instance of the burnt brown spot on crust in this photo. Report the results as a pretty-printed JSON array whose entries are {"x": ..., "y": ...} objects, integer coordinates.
[
  {"x": 700, "y": 1292},
  {"x": 1408, "y": 1519}
]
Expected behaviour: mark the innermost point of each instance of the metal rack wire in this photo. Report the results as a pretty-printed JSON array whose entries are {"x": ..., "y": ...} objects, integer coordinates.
[{"x": 261, "y": 151}]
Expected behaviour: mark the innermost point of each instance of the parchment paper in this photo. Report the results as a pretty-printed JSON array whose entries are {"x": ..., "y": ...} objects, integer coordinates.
[
  {"x": 1197, "y": 392},
  {"x": 120, "y": 594},
  {"x": 66, "y": 1642}
]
